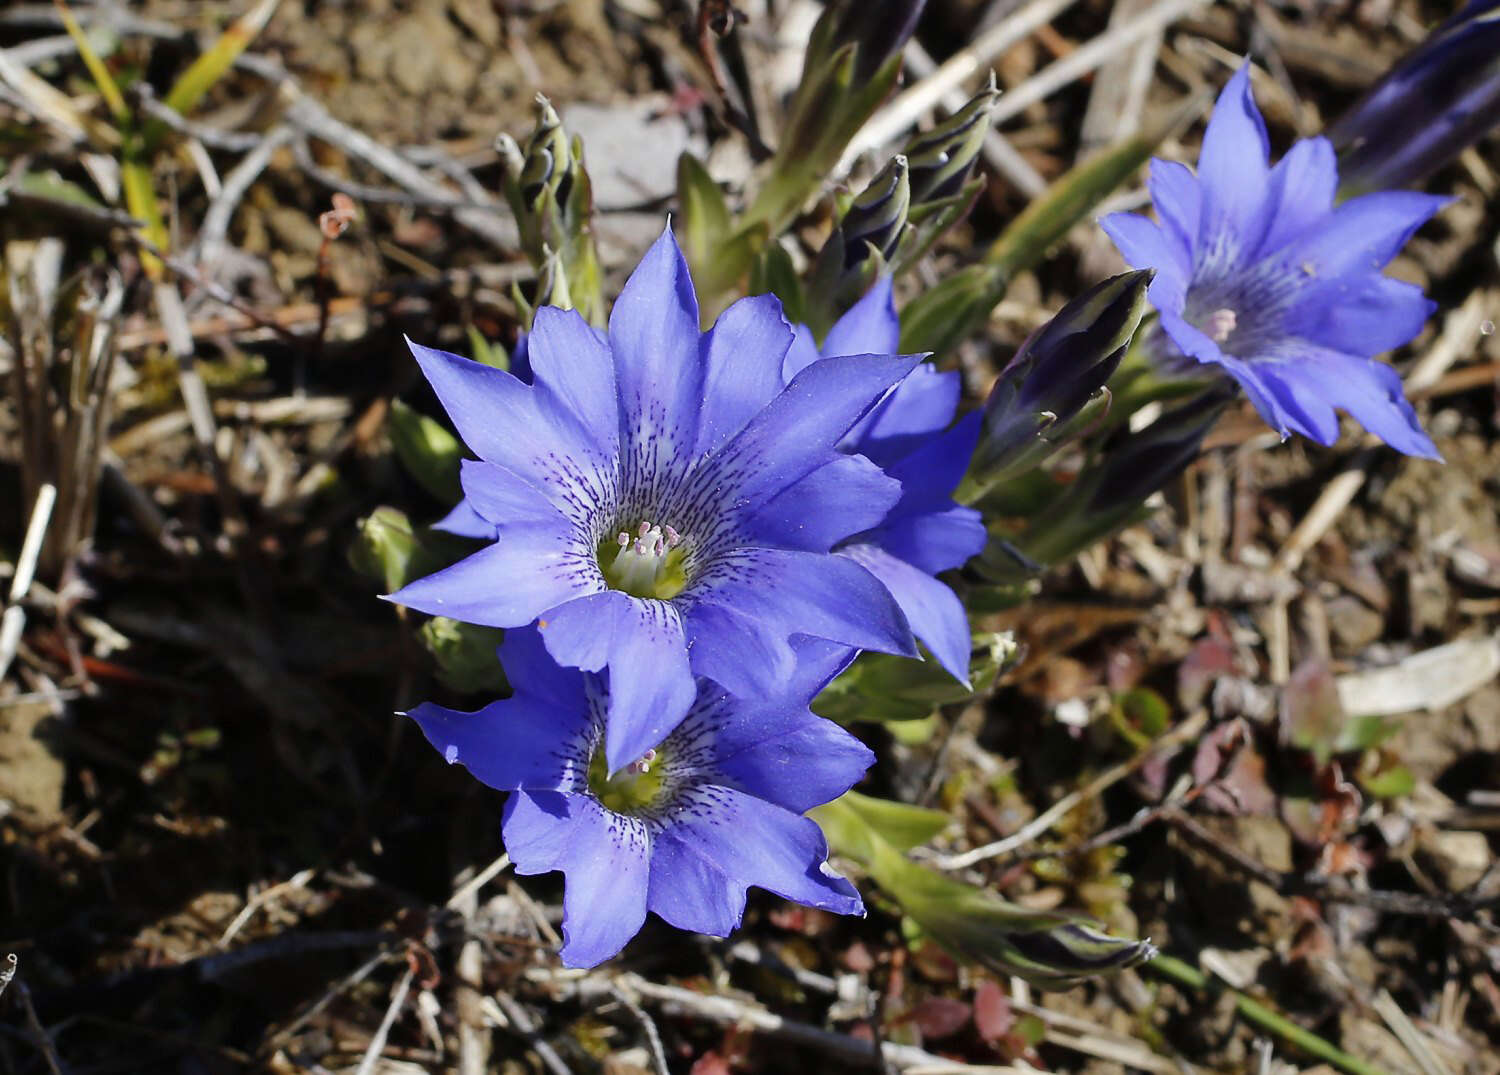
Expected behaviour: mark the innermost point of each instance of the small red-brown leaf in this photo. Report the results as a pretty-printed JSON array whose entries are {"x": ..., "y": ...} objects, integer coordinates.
[
  {"x": 710, "y": 1063},
  {"x": 858, "y": 958},
  {"x": 993, "y": 1015},
  {"x": 940, "y": 1017}
]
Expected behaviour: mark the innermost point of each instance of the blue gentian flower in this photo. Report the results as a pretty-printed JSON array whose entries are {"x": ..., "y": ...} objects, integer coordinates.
[
  {"x": 908, "y": 435},
  {"x": 662, "y": 504},
  {"x": 1259, "y": 274},
  {"x": 713, "y": 808}
]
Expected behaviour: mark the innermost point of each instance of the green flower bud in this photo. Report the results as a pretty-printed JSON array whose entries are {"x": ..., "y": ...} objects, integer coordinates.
[
  {"x": 942, "y": 158},
  {"x": 877, "y": 217},
  {"x": 465, "y": 655},
  {"x": 549, "y": 192}
]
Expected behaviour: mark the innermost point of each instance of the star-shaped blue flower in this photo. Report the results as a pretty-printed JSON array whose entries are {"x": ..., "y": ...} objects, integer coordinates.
[
  {"x": 908, "y": 435},
  {"x": 662, "y": 504},
  {"x": 714, "y": 808},
  {"x": 1258, "y": 272}
]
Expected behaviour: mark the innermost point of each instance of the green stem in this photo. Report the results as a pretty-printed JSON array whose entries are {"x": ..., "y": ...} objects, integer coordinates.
[{"x": 1268, "y": 1019}]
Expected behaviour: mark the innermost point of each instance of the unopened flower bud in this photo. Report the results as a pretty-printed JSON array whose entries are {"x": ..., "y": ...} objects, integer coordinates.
[
  {"x": 877, "y": 217},
  {"x": 1442, "y": 97},
  {"x": 1109, "y": 493},
  {"x": 1036, "y": 403},
  {"x": 549, "y": 192},
  {"x": 1133, "y": 465},
  {"x": 549, "y": 157},
  {"x": 852, "y": 62},
  {"x": 942, "y": 158},
  {"x": 878, "y": 30}
]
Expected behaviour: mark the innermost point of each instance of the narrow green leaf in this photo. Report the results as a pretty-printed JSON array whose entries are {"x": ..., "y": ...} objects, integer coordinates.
[
  {"x": 103, "y": 80},
  {"x": 705, "y": 220},
  {"x": 901, "y": 825},
  {"x": 204, "y": 72},
  {"x": 1074, "y": 196}
]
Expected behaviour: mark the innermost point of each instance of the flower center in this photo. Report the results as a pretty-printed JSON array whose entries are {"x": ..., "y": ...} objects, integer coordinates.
[
  {"x": 647, "y": 563},
  {"x": 634, "y": 788},
  {"x": 1220, "y": 324}
]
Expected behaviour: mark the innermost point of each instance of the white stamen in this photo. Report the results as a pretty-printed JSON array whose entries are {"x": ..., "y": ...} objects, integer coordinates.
[
  {"x": 451, "y": 754},
  {"x": 643, "y": 763},
  {"x": 639, "y": 563},
  {"x": 1220, "y": 324}
]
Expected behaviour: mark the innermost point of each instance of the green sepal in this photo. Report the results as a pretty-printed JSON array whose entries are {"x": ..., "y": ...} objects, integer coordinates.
[
  {"x": 465, "y": 655},
  {"x": 704, "y": 220},
  {"x": 901, "y": 825},
  {"x": 428, "y": 451},
  {"x": 388, "y": 549},
  {"x": 773, "y": 272},
  {"x": 486, "y": 352}
]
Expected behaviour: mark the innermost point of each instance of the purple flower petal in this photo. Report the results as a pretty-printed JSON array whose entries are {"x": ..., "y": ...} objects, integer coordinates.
[
  {"x": 653, "y": 333},
  {"x": 522, "y": 427},
  {"x": 869, "y": 327},
  {"x": 504, "y": 498},
  {"x": 523, "y": 743},
  {"x": 750, "y": 839},
  {"x": 930, "y": 472},
  {"x": 934, "y": 611},
  {"x": 1370, "y": 391},
  {"x": 908, "y": 417},
  {"x": 607, "y": 862},
  {"x": 790, "y": 592},
  {"x": 464, "y": 521},
  {"x": 1363, "y": 234},
  {"x": 507, "y": 584},
  {"x": 777, "y": 751},
  {"x": 1299, "y": 193},
  {"x": 802, "y": 353},
  {"x": 1362, "y": 315},
  {"x": 1179, "y": 202},
  {"x": 742, "y": 361},
  {"x": 1300, "y": 406},
  {"x": 932, "y": 540},
  {"x": 1232, "y": 170},
  {"x": 690, "y": 892},
  {"x": 1145, "y": 245},
  {"x": 843, "y": 497},
  {"x": 791, "y": 437},
  {"x": 572, "y": 360},
  {"x": 748, "y": 657},
  {"x": 538, "y": 827},
  {"x": 641, "y": 643}
]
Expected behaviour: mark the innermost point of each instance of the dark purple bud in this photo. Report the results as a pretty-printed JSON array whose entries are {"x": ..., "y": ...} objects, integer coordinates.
[
  {"x": 879, "y": 30},
  {"x": 1133, "y": 465},
  {"x": 1442, "y": 97},
  {"x": 877, "y": 217},
  {"x": 1058, "y": 372}
]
